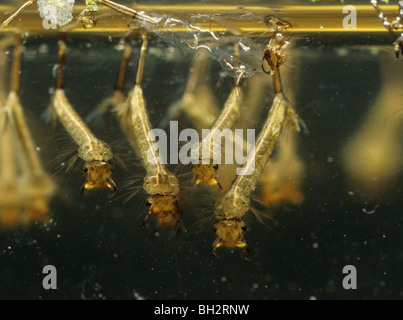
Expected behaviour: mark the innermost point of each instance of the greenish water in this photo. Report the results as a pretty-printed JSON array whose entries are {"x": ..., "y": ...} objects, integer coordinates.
[{"x": 98, "y": 245}]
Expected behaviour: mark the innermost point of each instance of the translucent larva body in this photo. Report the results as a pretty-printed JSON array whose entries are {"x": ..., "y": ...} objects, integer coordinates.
[
  {"x": 207, "y": 172},
  {"x": 26, "y": 189},
  {"x": 97, "y": 155},
  {"x": 159, "y": 183},
  {"x": 231, "y": 207}
]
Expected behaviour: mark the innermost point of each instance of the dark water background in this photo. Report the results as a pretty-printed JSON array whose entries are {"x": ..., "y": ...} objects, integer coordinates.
[{"x": 98, "y": 245}]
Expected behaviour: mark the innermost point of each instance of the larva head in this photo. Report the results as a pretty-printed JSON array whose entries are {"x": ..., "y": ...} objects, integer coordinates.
[
  {"x": 229, "y": 233},
  {"x": 205, "y": 173},
  {"x": 166, "y": 209},
  {"x": 98, "y": 174}
]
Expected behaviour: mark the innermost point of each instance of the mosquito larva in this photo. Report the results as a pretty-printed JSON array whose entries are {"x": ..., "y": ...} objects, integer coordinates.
[
  {"x": 282, "y": 177},
  {"x": 29, "y": 194},
  {"x": 37, "y": 186},
  {"x": 10, "y": 195},
  {"x": 97, "y": 155},
  {"x": 10, "y": 162},
  {"x": 233, "y": 205},
  {"x": 206, "y": 170},
  {"x": 160, "y": 184},
  {"x": 374, "y": 153}
]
